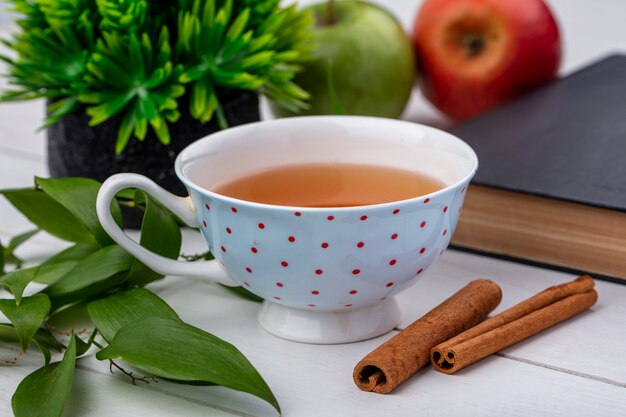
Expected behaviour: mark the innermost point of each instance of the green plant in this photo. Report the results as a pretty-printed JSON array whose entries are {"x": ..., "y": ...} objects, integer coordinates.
[
  {"x": 139, "y": 58},
  {"x": 97, "y": 275}
]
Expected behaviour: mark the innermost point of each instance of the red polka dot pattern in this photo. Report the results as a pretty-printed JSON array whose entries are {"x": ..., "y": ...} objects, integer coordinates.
[{"x": 344, "y": 267}]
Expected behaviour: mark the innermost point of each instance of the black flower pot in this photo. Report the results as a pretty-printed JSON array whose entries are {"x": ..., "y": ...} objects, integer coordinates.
[{"x": 77, "y": 150}]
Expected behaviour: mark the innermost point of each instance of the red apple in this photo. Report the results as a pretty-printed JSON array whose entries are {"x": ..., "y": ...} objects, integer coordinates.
[{"x": 476, "y": 54}]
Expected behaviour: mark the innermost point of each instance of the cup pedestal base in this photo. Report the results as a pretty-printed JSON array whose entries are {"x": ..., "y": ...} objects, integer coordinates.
[{"x": 329, "y": 327}]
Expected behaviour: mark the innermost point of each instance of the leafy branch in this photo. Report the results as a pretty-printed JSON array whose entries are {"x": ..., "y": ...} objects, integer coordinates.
[{"x": 136, "y": 326}]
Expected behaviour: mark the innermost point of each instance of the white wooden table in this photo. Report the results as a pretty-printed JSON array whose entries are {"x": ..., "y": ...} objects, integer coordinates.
[{"x": 573, "y": 369}]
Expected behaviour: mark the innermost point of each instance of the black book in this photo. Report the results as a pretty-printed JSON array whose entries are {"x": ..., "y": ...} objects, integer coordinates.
[{"x": 551, "y": 185}]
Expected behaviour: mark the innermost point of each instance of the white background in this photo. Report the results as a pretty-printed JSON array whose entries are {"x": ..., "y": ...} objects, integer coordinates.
[{"x": 573, "y": 369}]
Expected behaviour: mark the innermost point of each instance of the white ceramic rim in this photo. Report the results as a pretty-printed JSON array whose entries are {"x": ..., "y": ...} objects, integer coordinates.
[{"x": 178, "y": 165}]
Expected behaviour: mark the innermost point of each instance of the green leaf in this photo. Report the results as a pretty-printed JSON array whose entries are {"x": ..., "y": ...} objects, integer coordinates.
[
  {"x": 9, "y": 334},
  {"x": 141, "y": 123},
  {"x": 16, "y": 281},
  {"x": 237, "y": 27},
  {"x": 45, "y": 338},
  {"x": 123, "y": 135},
  {"x": 91, "y": 275},
  {"x": 55, "y": 267},
  {"x": 257, "y": 60},
  {"x": 44, "y": 350},
  {"x": 27, "y": 317},
  {"x": 81, "y": 346},
  {"x": 59, "y": 110},
  {"x": 70, "y": 317},
  {"x": 114, "y": 312},
  {"x": 74, "y": 253},
  {"x": 47, "y": 214},
  {"x": 108, "y": 109},
  {"x": 78, "y": 196},
  {"x": 159, "y": 125},
  {"x": 160, "y": 234},
  {"x": 18, "y": 240},
  {"x": 49, "y": 274},
  {"x": 44, "y": 392},
  {"x": 175, "y": 350}
]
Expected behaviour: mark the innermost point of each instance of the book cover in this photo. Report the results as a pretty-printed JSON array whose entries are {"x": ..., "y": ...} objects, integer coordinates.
[
  {"x": 551, "y": 183},
  {"x": 566, "y": 140}
]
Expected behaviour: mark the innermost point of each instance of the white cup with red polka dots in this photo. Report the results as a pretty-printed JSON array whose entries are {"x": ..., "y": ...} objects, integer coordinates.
[{"x": 327, "y": 275}]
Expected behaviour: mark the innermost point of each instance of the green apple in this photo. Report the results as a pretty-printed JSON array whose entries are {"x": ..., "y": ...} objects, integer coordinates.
[{"x": 364, "y": 63}]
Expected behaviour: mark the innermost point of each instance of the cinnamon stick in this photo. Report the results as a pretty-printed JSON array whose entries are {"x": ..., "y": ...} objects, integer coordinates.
[
  {"x": 523, "y": 320},
  {"x": 401, "y": 356}
]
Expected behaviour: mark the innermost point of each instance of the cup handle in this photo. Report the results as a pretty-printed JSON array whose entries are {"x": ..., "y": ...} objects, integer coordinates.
[{"x": 178, "y": 205}]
